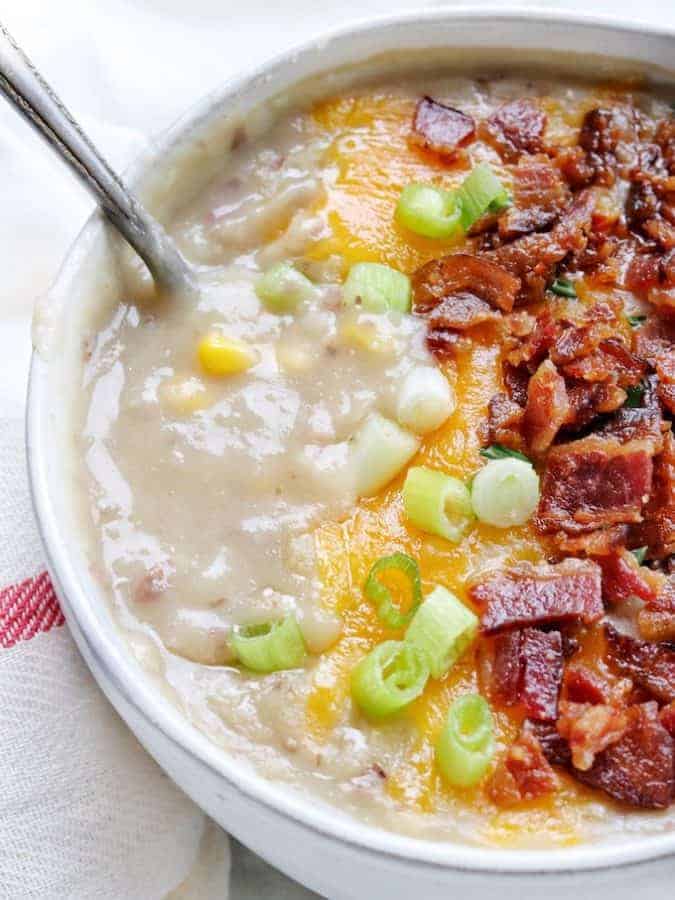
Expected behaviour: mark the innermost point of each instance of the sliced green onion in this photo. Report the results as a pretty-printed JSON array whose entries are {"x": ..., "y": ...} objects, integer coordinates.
[
  {"x": 497, "y": 451},
  {"x": 270, "y": 647},
  {"x": 377, "y": 288},
  {"x": 379, "y": 450},
  {"x": 563, "y": 288},
  {"x": 636, "y": 321},
  {"x": 505, "y": 492},
  {"x": 437, "y": 503},
  {"x": 282, "y": 288},
  {"x": 480, "y": 191},
  {"x": 389, "y": 678},
  {"x": 466, "y": 744},
  {"x": 425, "y": 400},
  {"x": 634, "y": 395},
  {"x": 640, "y": 554},
  {"x": 429, "y": 211},
  {"x": 380, "y": 595},
  {"x": 442, "y": 629}
]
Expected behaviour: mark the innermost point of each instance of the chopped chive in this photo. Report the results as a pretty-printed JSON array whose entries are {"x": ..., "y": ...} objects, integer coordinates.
[
  {"x": 388, "y": 613},
  {"x": 480, "y": 191},
  {"x": 437, "y": 503},
  {"x": 270, "y": 647},
  {"x": 498, "y": 451},
  {"x": 634, "y": 395},
  {"x": 505, "y": 492},
  {"x": 499, "y": 204},
  {"x": 442, "y": 629},
  {"x": 636, "y": 321},
  {"x": 640, "y": 553},
  {"x": 377, "y": 288},
  {"x": 389, "y": 678},
  {"x": 430, "y": 211},
  {"x": 563, "y": 287},
  {"x": 466, "y": 743}
]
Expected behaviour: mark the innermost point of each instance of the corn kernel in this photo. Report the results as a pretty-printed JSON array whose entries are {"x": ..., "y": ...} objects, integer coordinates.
[
  {"x": 221, "y": 355},
  {"x": 183, "y": 395}
]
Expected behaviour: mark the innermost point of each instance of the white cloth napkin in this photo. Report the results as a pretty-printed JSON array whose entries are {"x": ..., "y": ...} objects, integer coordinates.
[{"x": 84, "y": 812}]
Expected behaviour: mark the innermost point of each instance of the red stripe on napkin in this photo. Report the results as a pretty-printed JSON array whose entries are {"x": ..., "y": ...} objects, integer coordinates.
[{"x": 28, "y": 608}]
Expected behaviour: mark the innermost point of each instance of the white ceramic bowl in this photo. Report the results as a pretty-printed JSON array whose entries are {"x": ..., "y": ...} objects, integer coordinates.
[{"x": 315, "y": 844}]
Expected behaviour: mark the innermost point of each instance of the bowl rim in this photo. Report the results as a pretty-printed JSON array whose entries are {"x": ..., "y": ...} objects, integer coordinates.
[{"x": 98, "y": 645}]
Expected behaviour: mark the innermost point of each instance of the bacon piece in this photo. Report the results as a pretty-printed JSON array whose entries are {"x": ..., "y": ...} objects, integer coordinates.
[
  {"x": 527, "y": 669},
  {"x": 505, "y": 422},
  {"x": 533, "y": 258},
  {"x": 583, "y": 685},
  {"x": 536, "y": 595},
  {"x": 655, "y": 340},
  {"x": 539, "y": 196},
  {"x": 441, "y": 128},
  {"x": 554, "y": 747},
  {"x": 610, "y": 137},
  {"x": 650, "y": 665},
  {"x": 547, "y": 407},
  {"x": 636, "y": 424},
  {"x": 667, "y": 716},
  {"x": 594, "y": 482},
  {"x": 516, "y": 380},
  {"x": 656, "y": 620},
  {"x": 517, "y": 127},
  {"x": 590, "y": 399},
  {"x": 589, "y": 729},
  {"x": 639, "y": 769},
  {"x": 623, "y": 578},
  {"x": 532, "y": 350},
  {"x": 658, "y": 529},
  {"x": 460, "y": 311},
  {"x": 438, "y": 284},
  {"x": 612, "y": 361},
  {"x": 665, "y": 369},
  {"x": 593, "y": 543},
  {"x": 523, "y": 774},
  {"x": 665, "y": 138}
]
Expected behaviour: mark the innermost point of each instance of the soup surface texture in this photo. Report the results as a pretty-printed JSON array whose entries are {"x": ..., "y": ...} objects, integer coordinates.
[{"x": 488, "y": 400}]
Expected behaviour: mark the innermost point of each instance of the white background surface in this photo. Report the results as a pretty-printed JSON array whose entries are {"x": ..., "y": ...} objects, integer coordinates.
[{"x": 127, "y": 69}]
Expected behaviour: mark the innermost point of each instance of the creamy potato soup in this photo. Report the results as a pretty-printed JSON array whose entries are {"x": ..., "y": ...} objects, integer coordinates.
[{"x": 389, "y": 510}]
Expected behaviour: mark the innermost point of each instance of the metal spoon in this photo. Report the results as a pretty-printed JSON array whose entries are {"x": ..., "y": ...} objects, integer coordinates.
[{"x": 29, "y": 93}]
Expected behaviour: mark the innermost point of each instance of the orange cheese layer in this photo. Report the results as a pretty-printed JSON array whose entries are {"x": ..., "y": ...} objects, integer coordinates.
[{"x": 373, "y": 159}]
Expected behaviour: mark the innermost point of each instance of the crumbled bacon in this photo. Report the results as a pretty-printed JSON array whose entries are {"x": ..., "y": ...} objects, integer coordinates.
[
  {"x": 638, "y": 769},
  {"x": 650, "y": 665},
  {"x": 532, "y": 350},
  {"x": 665, "y": 369},
  {"x": 539, "y": 196},
  {"x": 667, "y": 716},
  {"x": 658, "y": 529},
  {"x": 442, "y": 343},
  {"x": 610, "y": 137},
  {"x": 593, "y": 543},
  {"x": 582, "y": 685},
  {"x": 504, "y": 423},
  {"x": 536, "y": 595},
  {"x": 459, "y": 291},
  {"x": 547, "y": 407},
  {"x": 611, "y": 361},
  {"x": 655, "y": 340},
  {"x": 590, "y": 728},
  {"x": 517, "y": 127},
  {"x": 590, "y": 399},
  {"x": 527, "y": 667},
  {"x": 656, "y": 620},
  {"x": 523, "y": 774},
  {"x": 594, "y": 482},
  {"x": 533, "y": 258},
  {"x": 636, "y": 424},
  {"x": 665, "y": 138},
  {"x": 441, "y": 128},
  {"x": 623, "y": 578}
]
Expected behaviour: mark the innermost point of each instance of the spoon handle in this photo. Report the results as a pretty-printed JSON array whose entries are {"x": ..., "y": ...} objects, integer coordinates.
[{"x": 29, "y": 93}]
